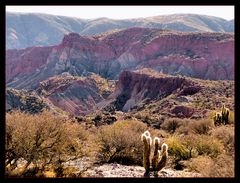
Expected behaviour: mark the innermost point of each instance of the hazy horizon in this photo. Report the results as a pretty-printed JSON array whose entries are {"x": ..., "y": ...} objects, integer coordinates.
[{"x": 130, "y": 12}]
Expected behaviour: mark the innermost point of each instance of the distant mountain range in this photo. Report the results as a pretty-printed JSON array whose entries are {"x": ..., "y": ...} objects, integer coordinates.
[{"x": 31, "y": 29}]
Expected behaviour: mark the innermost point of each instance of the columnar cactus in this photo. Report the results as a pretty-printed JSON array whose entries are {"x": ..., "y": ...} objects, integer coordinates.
[
  {"x": 225, "y": 114},
  {"x": 222, "y": 117},
  {"x": 217, "y": 118},
  {"x": 159, "y": 158},
  {"x": 156, "y": 154},
  {"x": 146, "y": 138},
  {"x": 164, "y": 157}
]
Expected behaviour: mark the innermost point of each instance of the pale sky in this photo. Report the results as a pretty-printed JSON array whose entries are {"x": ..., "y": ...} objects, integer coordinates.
[{"x": 125, "y": 12}]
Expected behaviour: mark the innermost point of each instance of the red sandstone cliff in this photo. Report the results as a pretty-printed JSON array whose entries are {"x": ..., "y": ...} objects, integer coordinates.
[
  {"x": 176, "y": 96},
  {"x": 200, "y": 55}
]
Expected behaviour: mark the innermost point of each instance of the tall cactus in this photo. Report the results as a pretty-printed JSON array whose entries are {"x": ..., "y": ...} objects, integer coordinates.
[
  {"x": 225, "y": 114},
  {"x": 156, "y": 154},
  {"x": 159, "y": 158},
  {"x": 147, "y": 141}
]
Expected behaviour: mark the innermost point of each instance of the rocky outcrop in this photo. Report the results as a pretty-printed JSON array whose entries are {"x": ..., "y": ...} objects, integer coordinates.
[
  {"x": 147, "y": 93},
  {"x": 27, "y": 101},
  {"x": 182, "y": 111},
  {"x": 22, "y": 63},
  {"x": 75, "y": 95},
  {"x": 142, "y": 86},
  {"x": 200, "y": 55}
]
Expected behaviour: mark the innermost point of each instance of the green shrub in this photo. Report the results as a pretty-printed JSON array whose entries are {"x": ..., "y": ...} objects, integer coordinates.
[
  {"x": 120, "y": 142},
  {"x": 189, "y": 142},
  {"x": 177, "y": 149}
]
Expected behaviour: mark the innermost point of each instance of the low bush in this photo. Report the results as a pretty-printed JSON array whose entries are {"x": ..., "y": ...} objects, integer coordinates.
[
  {"x": 201, "y": 164},
  {"x": 171, "y": 124},
  {"x": 226, "y": 135},
  {"x": 177, "y": 149},
  {"x": 207, "y": 145},
  {"x": 221, "y": 166},
  {"x": 154, "y": 121},
  {"x": 120, "y": 142},
  {"x": 202, "y": 126}
]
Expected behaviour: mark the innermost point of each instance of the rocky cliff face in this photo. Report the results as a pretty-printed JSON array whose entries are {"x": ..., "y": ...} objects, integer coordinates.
[
  {"x": 75, "y": 95},
  {"x": 200, "y": 55},
  {"x": 21, "y": 63},
  {"x": 148, "y": 92},
  {"x": 137, "y": 88}
]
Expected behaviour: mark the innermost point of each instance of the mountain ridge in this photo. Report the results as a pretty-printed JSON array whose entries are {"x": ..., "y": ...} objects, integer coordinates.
[
  {"x": 200, "y": 55},
  {"x": 47, "y": 30}
]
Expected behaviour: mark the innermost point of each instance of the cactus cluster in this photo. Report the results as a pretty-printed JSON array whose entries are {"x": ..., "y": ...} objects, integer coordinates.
[
  {"x": 222, "y": 117},
  {"x": 159, "y": 158}
]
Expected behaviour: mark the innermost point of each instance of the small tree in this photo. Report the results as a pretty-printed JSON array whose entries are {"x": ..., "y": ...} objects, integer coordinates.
[{"x": 41, "y": 140}]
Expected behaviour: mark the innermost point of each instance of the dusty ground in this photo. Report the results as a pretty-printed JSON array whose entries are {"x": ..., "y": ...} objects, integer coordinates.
[{"x": 117, "y": 170}]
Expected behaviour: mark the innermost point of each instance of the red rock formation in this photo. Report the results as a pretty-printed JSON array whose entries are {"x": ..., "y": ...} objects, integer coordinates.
[
  {"x": 201, "y": 55},
  {"x": 139, "y": 87},
  {"x": 183, "y": 111},
  {"x": 76, "y": 95},
  {"x": 23, "y": 62}
]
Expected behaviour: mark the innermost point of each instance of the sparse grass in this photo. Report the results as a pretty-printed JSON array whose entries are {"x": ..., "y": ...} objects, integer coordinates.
[{"x": 226, "y": 135}]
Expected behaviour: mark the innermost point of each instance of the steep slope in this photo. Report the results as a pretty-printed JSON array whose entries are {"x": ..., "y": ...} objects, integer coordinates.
[
  {"x": 30, "y": 29},
  {"x": 75, "y": 95},
  {"x": 148, "y": 92},
  {"x": 142, "y": 86},
  {"x": 200, "y": 55}
]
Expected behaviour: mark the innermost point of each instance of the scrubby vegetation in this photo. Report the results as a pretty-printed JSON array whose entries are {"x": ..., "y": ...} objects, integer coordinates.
[
  {"x": 41, "y": 141},
  {"x": 120, "y": 142},
  {"x": 40, "y": 145}
]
